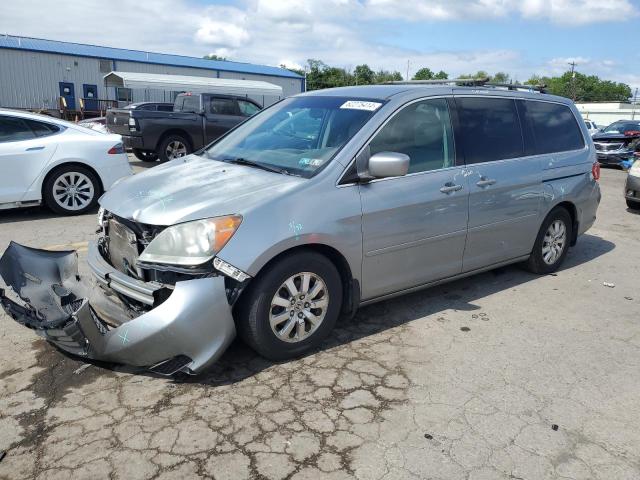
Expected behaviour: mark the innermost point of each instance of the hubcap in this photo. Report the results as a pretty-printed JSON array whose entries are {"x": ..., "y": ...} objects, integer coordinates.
[
  {"x": 176, "y": 149},
  {"x": 554, "y": 242},
  {"x": 73, "y": 191},
  {"x": 298, "y": 307}
]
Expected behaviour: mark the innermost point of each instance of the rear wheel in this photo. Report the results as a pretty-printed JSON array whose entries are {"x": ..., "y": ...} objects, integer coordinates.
[
  {"x": 292, "y": 307},
  {"x": 144, "y": 155},
  {"x": 552, "y": 243},
  {"x": 71, "y": 190},
  {"x": 633, "y": 205},
  {"x": 173, "y": 146}
]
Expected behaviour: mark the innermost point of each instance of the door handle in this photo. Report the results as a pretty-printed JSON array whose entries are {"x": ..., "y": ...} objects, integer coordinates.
[
  {"x": 450, "y": 187},
  {"x": 33, "y": 149},
  {"x": 485, "y": 182}
]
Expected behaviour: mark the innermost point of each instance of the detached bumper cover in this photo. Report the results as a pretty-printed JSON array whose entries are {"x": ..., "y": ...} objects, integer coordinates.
[{"x": 194, "y": 321}]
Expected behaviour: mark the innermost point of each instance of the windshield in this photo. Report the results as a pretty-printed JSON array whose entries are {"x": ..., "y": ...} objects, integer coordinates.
[
  {"x": 298, "y": 136},
  {"x": 621, "y": 127}
]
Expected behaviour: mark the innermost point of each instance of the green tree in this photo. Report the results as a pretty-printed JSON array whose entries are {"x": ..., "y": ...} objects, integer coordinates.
[
  {"x": 583, "y": 88},
  {"x": 441, "y": 75},
  {"x": 480, "y": 74},
  {"x": 501, "y": 77},
  {"x": 363, "y": 75},
  {"x": 424, "y": 74},
  {"x": 382, "y": 76},
  {"x": 213, "y": 56}
]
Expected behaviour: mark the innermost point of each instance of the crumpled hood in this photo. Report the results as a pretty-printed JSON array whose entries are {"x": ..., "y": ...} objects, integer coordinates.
[{"x": 194, "y": 187}]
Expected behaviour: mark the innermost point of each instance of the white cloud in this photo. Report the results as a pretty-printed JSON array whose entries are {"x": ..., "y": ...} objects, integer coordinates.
[{"x": 339, "y": 32}]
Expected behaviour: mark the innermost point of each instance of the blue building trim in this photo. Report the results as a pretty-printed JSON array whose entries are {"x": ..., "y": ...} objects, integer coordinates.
[{"x": 114, "y": 54}]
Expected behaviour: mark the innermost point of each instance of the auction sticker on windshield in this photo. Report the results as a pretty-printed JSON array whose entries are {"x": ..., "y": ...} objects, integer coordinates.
[{"x": 361, "y": 105}]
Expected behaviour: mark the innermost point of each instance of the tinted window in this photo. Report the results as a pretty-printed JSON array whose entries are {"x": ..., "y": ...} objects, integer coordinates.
[
  {"x": 489, "y": 129},
  {"x": 621, "y": 127},
  {"x": 222, "y": 106},
  {"x": 14, "y": 129},
  {"x": 42, "y": 129},
  {"x": 423, "y": 132},
  {"x": 247, "y": 108},
  {"x": 191, "y": 103},
  {"x": 124, "y": 94},
  {"x": 554, "y": 127},
  {"x": 165, "y": 108}
]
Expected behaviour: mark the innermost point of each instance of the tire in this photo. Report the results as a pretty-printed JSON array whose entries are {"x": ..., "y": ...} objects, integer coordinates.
[
  {"x": 548, "y": 261},
  {"x": 65, "y": 202},
  {"x": 633, "y": 205},
  {"x": 256, "y": 307},
  {"x": 173, "y": 146},
  {"x": 144, "y": 155}
]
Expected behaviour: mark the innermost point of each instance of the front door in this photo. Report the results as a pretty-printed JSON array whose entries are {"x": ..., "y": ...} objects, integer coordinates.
[
  {"x": 222, "y": 114},
  {"x": 90, "y": 95},
  {"x": 505, "y": 185},
  {"x": 414, "y": 227},
  {"x": 23, "y": 155},
  {"x": 67, "y": 91}
]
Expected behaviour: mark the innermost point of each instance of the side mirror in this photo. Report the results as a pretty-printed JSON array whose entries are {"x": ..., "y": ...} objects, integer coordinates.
[{"x": 388, "y": 164}]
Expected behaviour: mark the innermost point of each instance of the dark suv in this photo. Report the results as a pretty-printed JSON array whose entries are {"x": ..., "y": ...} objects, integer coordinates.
[{"x": 195, "y": 120}]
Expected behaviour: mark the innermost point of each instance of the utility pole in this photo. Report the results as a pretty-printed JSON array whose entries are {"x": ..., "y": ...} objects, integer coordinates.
[
  {"x": 573, "y": 80},
  {"x": 407, "y": 70},
  {"x": 635, "y": 102}
]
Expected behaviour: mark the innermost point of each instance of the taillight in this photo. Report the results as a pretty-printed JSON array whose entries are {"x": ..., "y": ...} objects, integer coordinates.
[
  {"x": 117, "y": 148},
  {"x": 595, "y": 171}
]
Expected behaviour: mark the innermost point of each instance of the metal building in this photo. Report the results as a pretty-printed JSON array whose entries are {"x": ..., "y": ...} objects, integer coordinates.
[{"x": 35, "y": 73}]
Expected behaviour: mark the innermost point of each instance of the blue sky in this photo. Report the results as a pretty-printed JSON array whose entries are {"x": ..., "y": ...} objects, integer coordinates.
[{"x": 520, "y": 37}]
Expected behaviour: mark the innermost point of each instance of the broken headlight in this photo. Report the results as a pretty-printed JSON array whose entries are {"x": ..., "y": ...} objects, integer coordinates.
[{"x": 191, "y": 243}]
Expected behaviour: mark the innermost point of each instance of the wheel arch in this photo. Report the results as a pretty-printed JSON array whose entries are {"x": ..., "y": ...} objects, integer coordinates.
[
  {"x": 350, "y": 285},
  {"x": 573, "y": 213},
  {"x": 60, "y": 166},
  {"x": 174, "y": 131}
]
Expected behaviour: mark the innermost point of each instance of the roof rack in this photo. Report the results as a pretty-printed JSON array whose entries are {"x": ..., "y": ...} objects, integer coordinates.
[{"x": 473, "y": 82}]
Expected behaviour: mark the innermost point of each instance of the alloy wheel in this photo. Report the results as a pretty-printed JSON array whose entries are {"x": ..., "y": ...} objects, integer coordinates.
[
  {"x": 73, "y": 191},
  {"x": 554, "y": 242},
  {"x": 298, "y": 307},
  {"x": 175, "y": 149}
]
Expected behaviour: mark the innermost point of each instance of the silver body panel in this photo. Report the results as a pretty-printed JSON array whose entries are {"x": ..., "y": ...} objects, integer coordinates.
[{"x": 395, "y": 235}]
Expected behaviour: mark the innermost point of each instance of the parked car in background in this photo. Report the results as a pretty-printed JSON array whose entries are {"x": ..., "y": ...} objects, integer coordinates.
[
  {"x": 615, "y": 143},
  {"x": 325, "y": 201},
  {"x": 632, "y": 187},
  {"x": 591, "y": 126},
  {"x": 97, "y": 124},
  {"x": 195, "y": 121},
  {"x": 65, "y": 166}
]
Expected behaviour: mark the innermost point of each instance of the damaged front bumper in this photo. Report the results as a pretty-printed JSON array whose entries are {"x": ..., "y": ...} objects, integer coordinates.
[{"x": 187, "y": 328}]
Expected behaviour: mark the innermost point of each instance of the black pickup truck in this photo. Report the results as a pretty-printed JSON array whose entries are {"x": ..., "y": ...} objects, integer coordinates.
[{"x": 196, "y": 120}]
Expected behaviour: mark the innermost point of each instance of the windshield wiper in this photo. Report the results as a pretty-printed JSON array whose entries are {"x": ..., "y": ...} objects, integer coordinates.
[{"x": 251, "y": 163}]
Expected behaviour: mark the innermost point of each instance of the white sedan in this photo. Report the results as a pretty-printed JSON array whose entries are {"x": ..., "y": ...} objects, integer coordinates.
[{"x": 65, "y": 166}]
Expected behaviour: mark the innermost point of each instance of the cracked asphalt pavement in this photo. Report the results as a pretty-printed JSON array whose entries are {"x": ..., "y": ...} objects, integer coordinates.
[{"x": 505, "y": 375}]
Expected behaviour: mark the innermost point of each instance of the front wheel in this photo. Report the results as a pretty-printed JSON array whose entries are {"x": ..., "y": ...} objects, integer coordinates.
[
  {"x": 552, "y": 243},
  {"x": 71, "y": 190},
  {"x": 291, "y": 308}
]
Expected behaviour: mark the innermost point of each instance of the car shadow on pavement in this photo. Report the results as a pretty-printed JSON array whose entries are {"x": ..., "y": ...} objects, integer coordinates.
[
  {"x": 34, "y": 213},
  {"x": 240, "y": 362}
]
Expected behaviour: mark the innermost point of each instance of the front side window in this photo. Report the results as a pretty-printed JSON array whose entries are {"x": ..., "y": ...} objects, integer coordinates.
[
  {"x": 191, "y": 103},
  {"x": 422, "y": 131},
  {"x": 554, "y": 127},
  {"x": 222, "y": 106},
  {"x": 489, "y": 129},
  {"x": 14, "y": 129},
  {"x": 247, "y": 108},
  {"x": 299, "y": 135}
]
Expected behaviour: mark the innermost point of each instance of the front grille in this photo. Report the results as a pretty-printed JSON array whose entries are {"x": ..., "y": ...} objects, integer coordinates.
[{"x": 608, "y": 147}]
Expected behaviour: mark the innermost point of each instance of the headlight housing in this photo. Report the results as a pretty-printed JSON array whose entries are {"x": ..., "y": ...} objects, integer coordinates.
[
  {"x": 634, "y": 171},
  {"x": 191, "y": 243}
]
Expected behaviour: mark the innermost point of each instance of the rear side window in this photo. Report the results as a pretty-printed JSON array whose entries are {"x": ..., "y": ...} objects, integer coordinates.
[
  {"x": 14, "y": 129},
  {"x": 489, "y": 129},
  {"x": 223, "y": 106},
  {"x": 554, "y": 126},
  {"x": 42, "y": 129},
  {"x": 165, "y": 108}
]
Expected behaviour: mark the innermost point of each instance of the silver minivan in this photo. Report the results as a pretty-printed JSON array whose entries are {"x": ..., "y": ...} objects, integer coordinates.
[{"x": 321, "y": 203}]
